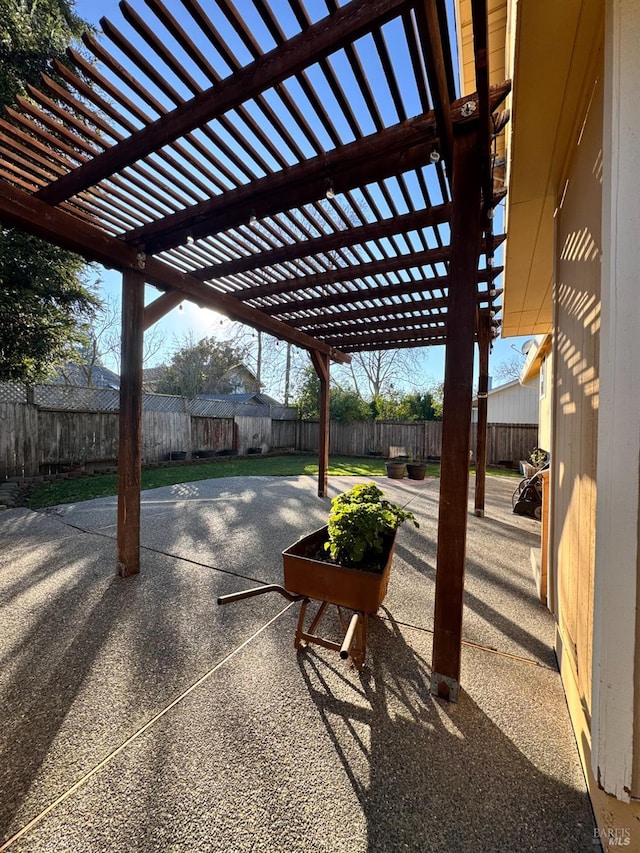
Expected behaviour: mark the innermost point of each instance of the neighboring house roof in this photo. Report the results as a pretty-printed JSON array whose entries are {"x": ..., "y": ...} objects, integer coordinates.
[
  {"x": 539, "y": 349},
  {"x": 252, "y": 399},
  {"x": 73, "y": 374}
]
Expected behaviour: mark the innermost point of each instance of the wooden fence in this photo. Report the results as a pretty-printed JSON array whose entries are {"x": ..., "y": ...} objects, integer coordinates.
[
  {"x": 37, "y": 440},
  {"x": 507, "y": 444}
]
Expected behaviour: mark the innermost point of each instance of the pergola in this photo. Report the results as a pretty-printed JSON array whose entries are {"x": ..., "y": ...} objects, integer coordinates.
[{"x": 306, "y": 168}]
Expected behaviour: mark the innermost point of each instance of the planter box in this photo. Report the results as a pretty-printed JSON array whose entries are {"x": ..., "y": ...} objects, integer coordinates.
[
  {"x": 416, "y": 470},
  {"x": 356, "y": 589},
  {"x": 396, "y": 470}
]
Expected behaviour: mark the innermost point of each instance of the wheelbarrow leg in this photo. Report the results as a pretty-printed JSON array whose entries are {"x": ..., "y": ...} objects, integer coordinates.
[{"x": 355, "y": 640}]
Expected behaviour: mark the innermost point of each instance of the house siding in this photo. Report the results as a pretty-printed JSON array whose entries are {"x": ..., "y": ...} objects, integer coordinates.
[{"x": 575, "y": 398}]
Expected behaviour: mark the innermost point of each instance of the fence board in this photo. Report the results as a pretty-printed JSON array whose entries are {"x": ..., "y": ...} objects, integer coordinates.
[
  {"x": 18, "y": 440},
  {"x": 284, "y": 435},
  {"x": 252, "y": 432}
]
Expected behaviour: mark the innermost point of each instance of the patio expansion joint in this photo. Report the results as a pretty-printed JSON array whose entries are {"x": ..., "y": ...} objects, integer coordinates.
[
  {"x": 138, "y": 733},
  {"x": 151, "y": 550}
]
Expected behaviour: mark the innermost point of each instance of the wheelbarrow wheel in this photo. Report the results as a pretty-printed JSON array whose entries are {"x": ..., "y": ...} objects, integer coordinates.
[{"x": 515, "y": 497}]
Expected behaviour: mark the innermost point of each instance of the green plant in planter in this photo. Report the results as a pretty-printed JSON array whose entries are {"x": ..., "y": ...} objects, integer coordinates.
[{"x": 361, "y": 523}]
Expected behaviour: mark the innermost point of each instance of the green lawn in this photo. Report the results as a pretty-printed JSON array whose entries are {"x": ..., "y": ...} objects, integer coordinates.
[{"x": 84, "y": 488}]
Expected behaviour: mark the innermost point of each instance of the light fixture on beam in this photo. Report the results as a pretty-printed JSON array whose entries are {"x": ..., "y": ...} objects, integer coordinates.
[
  {"x": 253, "y": 218},
  {"x": 434, "y": 157},
  {"x": 190, "y": 239},
  {"x": 329, "y": 191}
]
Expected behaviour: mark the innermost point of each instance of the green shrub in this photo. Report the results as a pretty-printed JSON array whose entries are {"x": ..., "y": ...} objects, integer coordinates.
[{"x": 361, "y": 523}]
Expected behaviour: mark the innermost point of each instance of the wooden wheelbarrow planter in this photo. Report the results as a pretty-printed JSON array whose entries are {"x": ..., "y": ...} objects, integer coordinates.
[{"x": 308, "y": 579}]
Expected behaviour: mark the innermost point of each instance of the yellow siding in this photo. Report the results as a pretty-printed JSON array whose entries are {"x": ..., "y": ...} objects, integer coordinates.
[{"x": 576, "y": 325}]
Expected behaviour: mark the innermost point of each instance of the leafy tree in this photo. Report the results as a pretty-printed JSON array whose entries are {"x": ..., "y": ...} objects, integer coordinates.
[
  {"x": 418, "y": 406},
  {"x": 345, "y": 404},
  {"x": 43, "y": 292},
  {"x": 309, "y": 395},
  {"x": 198, "y": 368},
  {"x": 41, "y": 295}
]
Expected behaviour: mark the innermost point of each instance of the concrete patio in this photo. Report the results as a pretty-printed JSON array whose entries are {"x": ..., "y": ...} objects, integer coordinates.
[{"x": 137, "y": 715}]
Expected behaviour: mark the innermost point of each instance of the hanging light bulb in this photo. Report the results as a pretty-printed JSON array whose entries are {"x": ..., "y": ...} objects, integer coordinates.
[
  {"x": 434, "y": 157},
  {"x": 329, "y": 190},
  {"x": 190, "y": 238},
  {"x": 253, "y": 218}
]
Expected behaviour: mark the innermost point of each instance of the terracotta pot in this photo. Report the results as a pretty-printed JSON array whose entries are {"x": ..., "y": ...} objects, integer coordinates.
[
  {"x": 396, "y": 470},
  {"x": 357, "y": 589}
]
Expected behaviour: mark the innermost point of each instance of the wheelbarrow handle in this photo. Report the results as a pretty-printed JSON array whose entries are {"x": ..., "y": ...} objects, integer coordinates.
[{"x": 259, "y": 590}]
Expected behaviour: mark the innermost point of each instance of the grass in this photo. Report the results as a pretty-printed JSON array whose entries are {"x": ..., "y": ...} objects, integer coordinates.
[{"x": 85, "y": 488}]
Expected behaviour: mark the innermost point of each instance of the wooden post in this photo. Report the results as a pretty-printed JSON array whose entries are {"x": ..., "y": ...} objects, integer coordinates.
[
  {"x": 484, "y": 344},
  {"x": 458, "y": 380},
  {"x": 130, "y": 447},
  {"x": 321, "y": 364}
]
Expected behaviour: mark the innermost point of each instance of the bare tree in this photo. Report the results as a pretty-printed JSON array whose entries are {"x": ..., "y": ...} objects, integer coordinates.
[
  {"x": 508, "y": 369},
  {"x": 378, "y": 373},
  {"x": 102, "y": 341},
  {"x": 277, "y": 365}
]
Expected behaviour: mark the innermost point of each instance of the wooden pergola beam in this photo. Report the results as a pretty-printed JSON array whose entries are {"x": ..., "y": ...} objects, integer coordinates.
[
  {"x": 157, "y": 309},
  {"x": 333, "y": 321},
  {"x": 379, "y": 155},
  {"x": 390, "y": 344},
  {"x": 346, "y": 274},
  {"x": 320, "y": 245},
  {"x": 429, "y": 29},
  {"x": 321, "y": 39},
  {"x": 351, "y": 273},
  {"x": 363, "y": 295},
  {"x": 21, "y": 210},
  {"x": 372, "y": 340}
]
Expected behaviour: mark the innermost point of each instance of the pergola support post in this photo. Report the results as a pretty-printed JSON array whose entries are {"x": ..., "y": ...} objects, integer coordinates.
[
  {"x": 458, "y": 381},
  {"x": 484, "y": 345},
  {"x": 321, "y": 363},
  {"x": 130, "y": 446}
]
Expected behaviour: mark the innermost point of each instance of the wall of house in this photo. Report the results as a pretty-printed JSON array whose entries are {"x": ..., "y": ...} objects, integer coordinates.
[
  {"x": 575, "y": 399},
  {"x": 515, "y": 405},
  {"x": 545, "y": 394}
]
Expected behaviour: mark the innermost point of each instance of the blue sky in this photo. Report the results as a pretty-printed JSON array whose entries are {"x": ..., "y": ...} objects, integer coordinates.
[{"x": 202, "y": 322}]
